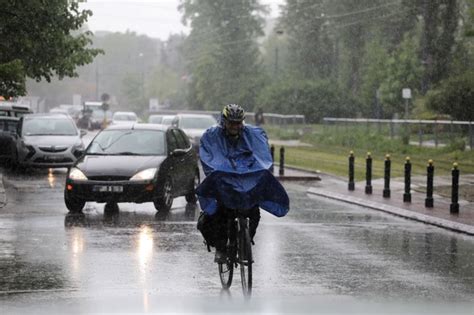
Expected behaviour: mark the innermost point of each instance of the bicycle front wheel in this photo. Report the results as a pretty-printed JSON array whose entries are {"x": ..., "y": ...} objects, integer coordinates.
[
  {"x": 245, "y": 261},
  {"x": 226, "y": 272}
]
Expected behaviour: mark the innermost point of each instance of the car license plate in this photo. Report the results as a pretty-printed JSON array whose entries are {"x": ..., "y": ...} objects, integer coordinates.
[
  {"x": 54, "y": 157},
  {"x": 108, "y": 188}
]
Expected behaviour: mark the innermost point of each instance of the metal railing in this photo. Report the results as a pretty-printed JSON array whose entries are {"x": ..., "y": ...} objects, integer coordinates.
[
  {"x": 429, "y": 132},
  {"x": 269, "y": 118}
]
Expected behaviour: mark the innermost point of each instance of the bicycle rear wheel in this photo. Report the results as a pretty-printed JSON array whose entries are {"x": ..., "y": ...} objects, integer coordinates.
[
  {"x": 245, "y": 261},
  {"x": 226, "y": 272}
]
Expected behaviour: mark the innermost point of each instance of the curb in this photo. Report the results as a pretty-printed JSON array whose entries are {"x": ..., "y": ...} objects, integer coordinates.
[
  {"x": 297, "y": 178},
  {"x": 446, "y": 224}
]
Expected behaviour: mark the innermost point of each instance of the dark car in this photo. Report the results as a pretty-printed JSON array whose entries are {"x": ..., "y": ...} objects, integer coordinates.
[
  {"x": 139, "y": 163},
  {"x": 8, "y": 139}
]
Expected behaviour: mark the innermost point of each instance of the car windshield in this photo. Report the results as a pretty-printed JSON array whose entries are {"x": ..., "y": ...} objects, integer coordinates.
[
  {"x": 155, "y": 119},
  {"x": 196, "y": 122},
  {"x": 167, "y": 121},
  {"x": 128, "y": 142},
  {"x": 125, "y": 117},
  {"x": 49, "y": 126}
]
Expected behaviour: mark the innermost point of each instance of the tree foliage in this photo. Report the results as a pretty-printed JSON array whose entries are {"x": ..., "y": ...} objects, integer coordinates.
[
  {"x": 314, "y": 99},
  {"x": 455, "y": 97},
  {"x": 222, "y": 51},
  {"x": 41, "y": 39}
]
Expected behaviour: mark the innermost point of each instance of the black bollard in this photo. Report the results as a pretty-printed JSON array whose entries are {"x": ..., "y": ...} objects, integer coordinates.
[
  {"x": 386, "y": 177},
  {"x": 351, "y": 171},
  {"x": 282, "y": 161},
  {"x": 407, "y": 194},
  {"x": 454, "y": 207},
  {"x": 429, "y": 185},
  {"x": 368, "y": 174},
  {"x": 272, "y": 152}
]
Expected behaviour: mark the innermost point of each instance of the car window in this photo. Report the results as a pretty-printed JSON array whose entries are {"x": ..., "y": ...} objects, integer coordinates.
[
  {"x": 125, "y": 117},
  {"x": 10, "y": 126},
  {"x": 48, "y": 126},
  {"x": 196, "y": 122},
  {"x": 167, "y": 121},
  {"x": 155, "y": 119},
  {"x": 132, "y": 142}
]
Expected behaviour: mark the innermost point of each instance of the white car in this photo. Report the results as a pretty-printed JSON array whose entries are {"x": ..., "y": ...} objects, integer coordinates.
[
  {"x": 194, "y": 125},
  {"x": 167, "y": 120},
  {"x": 161, "y": 119},
  {"x": 124, "y": 118}
]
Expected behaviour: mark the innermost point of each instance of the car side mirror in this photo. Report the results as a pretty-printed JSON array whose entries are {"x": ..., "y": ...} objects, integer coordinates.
[
  {"x": 79, "y": 152},
  {"x": 83, "y": 133}
]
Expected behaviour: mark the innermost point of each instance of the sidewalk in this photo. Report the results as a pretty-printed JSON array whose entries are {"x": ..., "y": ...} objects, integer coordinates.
[{"x": 439, "y": 215}]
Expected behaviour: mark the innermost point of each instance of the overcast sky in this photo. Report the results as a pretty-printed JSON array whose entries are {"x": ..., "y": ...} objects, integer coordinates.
[{"x": 155, "y": 18}]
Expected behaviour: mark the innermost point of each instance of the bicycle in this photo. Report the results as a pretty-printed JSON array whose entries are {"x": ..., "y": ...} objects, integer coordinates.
[{"x": 239, "y": 253}]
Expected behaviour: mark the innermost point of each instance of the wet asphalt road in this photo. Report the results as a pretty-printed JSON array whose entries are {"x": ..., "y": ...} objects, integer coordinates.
[{"x": 324, "y": 257}]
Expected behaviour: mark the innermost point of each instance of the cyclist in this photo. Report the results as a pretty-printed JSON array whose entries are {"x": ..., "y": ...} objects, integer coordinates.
[{"x": 236, "y": 160}]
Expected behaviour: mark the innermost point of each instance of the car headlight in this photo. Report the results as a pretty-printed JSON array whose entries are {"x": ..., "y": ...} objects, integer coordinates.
[
  {"x": 145, "y": 174},
  {"x": 77, "y": 174}
]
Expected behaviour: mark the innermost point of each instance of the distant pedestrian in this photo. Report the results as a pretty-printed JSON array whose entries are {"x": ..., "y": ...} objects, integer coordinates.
[{"x": 259, "y": 120}]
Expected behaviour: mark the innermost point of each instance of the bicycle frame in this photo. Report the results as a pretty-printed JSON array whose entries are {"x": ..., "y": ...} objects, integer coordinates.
[{"x": 239, "y": 252}]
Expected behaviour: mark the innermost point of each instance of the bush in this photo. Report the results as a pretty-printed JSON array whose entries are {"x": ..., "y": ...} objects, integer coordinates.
[
  {"x": 314, "y": 99},
  {"x": 454, "y": 97}
]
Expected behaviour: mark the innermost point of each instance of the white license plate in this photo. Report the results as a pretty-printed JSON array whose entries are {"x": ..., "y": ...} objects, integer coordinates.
[{"x": 108, "y": 188}]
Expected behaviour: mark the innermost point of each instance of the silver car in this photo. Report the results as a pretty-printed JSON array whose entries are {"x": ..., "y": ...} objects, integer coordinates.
[
  {"x": 194, "y": 125},
  {"x": 48, "y": 140}
]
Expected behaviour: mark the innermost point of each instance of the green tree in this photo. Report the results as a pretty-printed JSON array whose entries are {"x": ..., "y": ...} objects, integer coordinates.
[
  {"x": 41, "y": 39},
  {"x": 311, "y": 47},
  {"x": 314, "y": 99},
  {"x": 403, "y": 70},
  {"x": 454, "y": 97},
  {"x": 223, "y": 56}
]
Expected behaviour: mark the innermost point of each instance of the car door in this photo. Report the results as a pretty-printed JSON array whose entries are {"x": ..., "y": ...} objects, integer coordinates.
[
  {"x": 188, "y": 160},
  {"x": 170, "y": 167}
]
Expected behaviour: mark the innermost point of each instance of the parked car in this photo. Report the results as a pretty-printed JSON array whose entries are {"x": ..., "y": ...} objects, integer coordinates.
[
  {"x": 139, "y": 163},
  {"x": 124, "y": 118},
  {"x": 48, "y": 140},
  {"x": 13, "y": 109},
  {"x": 155, "y": 119},
  {"x": 194, "y": 125},
  {"x": 8, "y": 139},
  {"x": 167, "y": 120}
]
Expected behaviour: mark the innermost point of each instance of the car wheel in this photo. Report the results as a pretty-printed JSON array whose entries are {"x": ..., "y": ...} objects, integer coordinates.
[
  {"x": 74, "y": 205},
  {"x": 165, "y": 202},
  {"x": 191, "y": 196}
]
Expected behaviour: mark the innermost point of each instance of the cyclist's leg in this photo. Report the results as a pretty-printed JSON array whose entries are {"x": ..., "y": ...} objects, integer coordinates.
[
  {"x": 254, "y": 219},
  {"x": 213, "y": 229}
]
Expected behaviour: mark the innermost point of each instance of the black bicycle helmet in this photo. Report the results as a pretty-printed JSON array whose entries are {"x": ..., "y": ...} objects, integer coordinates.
[{"x": 233, "y": 113}]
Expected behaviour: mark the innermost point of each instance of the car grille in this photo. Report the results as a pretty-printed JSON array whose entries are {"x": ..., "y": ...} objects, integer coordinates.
[
  {"x": 53, "y": 148},
  {"x": 45, "y": 160},
  {"x": 109, "y": 178}
]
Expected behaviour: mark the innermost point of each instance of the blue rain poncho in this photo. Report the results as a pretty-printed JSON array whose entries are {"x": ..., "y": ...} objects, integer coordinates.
[{"x": 238, "y": 173}]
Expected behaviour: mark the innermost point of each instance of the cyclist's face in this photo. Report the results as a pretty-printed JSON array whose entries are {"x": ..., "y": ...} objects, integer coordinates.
[{"x": 233, "y": 128}]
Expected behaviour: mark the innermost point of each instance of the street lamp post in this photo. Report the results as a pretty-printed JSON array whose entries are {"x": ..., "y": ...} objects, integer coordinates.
[{"x": 278, "y": 32}]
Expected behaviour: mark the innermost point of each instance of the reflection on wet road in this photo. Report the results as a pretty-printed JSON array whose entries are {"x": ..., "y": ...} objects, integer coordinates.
[{"x": 323, "y": 251}]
